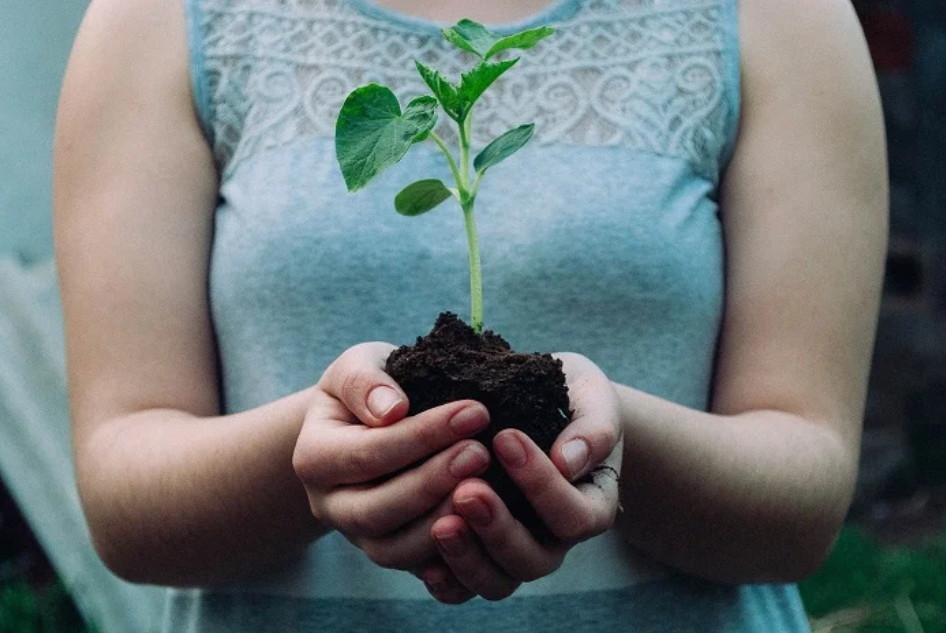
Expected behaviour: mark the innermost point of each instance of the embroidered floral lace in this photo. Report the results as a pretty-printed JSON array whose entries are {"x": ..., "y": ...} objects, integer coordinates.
[{"x": 642, "y": 74}]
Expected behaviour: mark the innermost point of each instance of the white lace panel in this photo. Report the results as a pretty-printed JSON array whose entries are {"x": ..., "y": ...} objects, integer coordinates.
[{"x": 645, "y": 74}]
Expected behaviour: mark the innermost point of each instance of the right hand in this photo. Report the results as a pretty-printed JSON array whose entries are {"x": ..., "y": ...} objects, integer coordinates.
[{"x": 379, "y": 478}]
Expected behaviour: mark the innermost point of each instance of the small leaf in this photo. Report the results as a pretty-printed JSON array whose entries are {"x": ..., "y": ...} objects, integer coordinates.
[
  {"x": 420, "y": 197},
  {"x": 422, "y": 112},
  {"x": 503, "y": 147},
  {"x": 475, "y": 38},
  {"x": 371, "y": 133},
  {"x": 470, "y": 36},
  {"x": 444, "y": 91},
  {"x": 523, "y": 41},
  {"x": 475, "y": 82}
]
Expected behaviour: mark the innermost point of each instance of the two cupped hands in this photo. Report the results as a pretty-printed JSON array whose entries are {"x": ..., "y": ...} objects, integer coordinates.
[{"x": 405, "y": 489}]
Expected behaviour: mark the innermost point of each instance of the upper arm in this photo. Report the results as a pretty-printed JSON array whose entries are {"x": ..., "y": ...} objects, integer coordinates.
[
  {"x": 804, "y": 210},
  {"x": 134, "y": 190}
]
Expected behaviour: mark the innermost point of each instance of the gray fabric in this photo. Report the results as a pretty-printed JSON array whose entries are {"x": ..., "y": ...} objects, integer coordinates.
[
  {"x": 677, "y": 606},
  {"x": 600, "y": 237}
]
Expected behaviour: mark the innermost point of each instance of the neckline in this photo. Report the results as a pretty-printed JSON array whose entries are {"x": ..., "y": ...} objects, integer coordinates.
[{"x": 556, "y": 11}]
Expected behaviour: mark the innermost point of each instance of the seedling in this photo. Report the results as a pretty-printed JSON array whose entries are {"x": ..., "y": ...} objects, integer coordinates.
[{"x": 372, "y": 133}]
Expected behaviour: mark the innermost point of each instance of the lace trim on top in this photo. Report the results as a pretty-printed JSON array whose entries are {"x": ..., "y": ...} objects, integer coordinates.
[{"x": 652, "y": 75}]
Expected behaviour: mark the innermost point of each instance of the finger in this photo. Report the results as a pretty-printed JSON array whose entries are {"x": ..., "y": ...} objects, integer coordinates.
[
  {"x": 571, "y": 513},
  {"x": 409, "y": 548},
  {"x": 591, "y": 437},
  {"x": 504, "y": 539},
  {"x": 444, "y": 586},
  {"x": 358, "y": 380},
  {"x": 468, "y": 561},
  {"x": 354, "y": 454},
  {"x": 376, "y": 509}
]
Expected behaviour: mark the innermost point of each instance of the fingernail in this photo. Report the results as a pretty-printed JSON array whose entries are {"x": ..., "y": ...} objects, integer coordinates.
[
  {"x": 434, "y": 580},
  {"x": 433, "y": 576},
  {"x": 510, "y": 450},
  {"x": 576, "y": 454},
  {"x": 474, "y": 511},
  {"x": 469, "y": 420},
  {"x": 436, "y": 586},
  {"x": 452, "y": 544},
  {"x": 382, "y": 400},
  {"x": 468, "y": 462}
]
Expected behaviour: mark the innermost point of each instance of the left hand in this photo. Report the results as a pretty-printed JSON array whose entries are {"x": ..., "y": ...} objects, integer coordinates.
[{"x": 485, "y": 550}]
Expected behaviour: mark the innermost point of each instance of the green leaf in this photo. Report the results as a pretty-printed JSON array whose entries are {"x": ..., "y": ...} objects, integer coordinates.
[
  {"x": 522, "y": 41},
  {"x": 470, "y": 36},
  {"x": 475, "y": 38},
  {"x": 371, "y": 133},
  {"x": 444, "y": 91},
  {"x": 475, "y": 82},
  {"x": 421, "y": 197},
  {"x": 503, "y": 147}
]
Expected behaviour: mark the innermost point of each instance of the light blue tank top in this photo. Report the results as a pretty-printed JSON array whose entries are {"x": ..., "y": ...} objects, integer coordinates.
[{"x": 600, "y": 237}]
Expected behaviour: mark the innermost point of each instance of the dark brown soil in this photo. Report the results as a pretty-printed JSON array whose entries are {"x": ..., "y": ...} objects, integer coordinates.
[{"x": 522, "y": 391}]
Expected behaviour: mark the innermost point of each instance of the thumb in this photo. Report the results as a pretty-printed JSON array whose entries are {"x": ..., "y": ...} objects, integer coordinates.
[
  {"x": 594, "y": 436},
  {"x": 358, "y": 380}
]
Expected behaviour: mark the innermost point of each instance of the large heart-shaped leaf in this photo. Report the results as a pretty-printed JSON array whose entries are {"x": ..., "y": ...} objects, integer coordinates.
[
  {"x": 475, "y": 38},
  {"x": 371, "y": 133},
  {"x": 421, "y": 197},
  {"x": 503, "y": 147}
]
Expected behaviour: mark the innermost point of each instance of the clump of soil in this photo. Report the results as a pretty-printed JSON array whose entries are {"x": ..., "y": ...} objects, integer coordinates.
[{"x": 521, "y": 391}]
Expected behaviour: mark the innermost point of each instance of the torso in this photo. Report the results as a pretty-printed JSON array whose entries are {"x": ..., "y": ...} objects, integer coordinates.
[{"x": 600, "y": 237}]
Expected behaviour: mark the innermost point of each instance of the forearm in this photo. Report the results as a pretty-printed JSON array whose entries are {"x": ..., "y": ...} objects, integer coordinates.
[
  {"x": 181, "y": 500},
  {"x": 756, "y": 497}
]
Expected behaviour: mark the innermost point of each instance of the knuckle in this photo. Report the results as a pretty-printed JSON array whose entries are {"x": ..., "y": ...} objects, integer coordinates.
[
  {"x": 608, "y": 438},
  {"x": 382, "y": 554},
  {"x": 362, "y": 462},
  {"x": 352, "y": 385},
  {"x": 501, "y": 592},
  {"x": 580, "y": 528},
  {"x": 531, "y": 574},
  {"x": 429, "y": 434},
  {"x": 539, "y": 488},
  {"x": 354, "y": 520},
  {"x": 305, "y": 463},
  {"x": 539, "y": 569},
  {"x": 549, "y": 566},
  {"x": 503, "y": 544},
  {"x": 334, "y": 370},
  {"x": 432, "y": 490}
]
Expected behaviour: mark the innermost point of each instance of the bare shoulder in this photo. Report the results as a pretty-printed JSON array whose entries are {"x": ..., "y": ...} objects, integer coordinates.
[
  {"x": 132, "y": 43},
  {"x": 813, "y": 45}
]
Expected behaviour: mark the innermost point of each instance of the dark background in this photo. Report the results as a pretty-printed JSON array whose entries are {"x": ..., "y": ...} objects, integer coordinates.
[{"x": 903, "y": 468}]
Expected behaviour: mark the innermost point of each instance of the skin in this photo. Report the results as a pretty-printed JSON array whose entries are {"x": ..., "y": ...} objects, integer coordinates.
[{"x": 754, "y": 490}]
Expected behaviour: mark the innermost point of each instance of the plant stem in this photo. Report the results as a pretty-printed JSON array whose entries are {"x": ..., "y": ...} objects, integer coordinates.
[
  {"x": 467, "y": 201},
  {"x": 476, "y": 184},
  {"x": 446, "y": 152},
  {"x": 476, "y": 276},
  {"x": 463, "y": 182}
]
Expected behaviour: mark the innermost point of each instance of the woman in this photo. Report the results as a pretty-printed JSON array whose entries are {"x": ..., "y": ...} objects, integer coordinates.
[{"x": 233, "y": 430}]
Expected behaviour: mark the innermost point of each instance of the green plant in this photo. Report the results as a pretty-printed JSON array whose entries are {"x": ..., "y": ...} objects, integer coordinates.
[
  {"x": 865, "y": 587},
  {"x": 372, "y": 133},
  {"x": 28, "y": 609}
]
